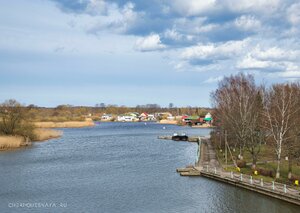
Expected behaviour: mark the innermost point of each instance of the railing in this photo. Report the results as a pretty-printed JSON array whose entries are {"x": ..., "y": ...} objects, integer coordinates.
[{"x": 249, "y": 180}]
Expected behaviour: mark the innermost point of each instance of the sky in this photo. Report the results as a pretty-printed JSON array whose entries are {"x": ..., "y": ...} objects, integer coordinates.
[{"x": 84, "y": 52}]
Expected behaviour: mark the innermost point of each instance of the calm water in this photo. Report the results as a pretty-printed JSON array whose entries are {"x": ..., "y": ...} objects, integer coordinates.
[{"x": 118, "y": 167}]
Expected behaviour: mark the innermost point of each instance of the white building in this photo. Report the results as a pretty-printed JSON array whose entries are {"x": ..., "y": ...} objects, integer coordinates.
[
  {"x": 129, "y": 117},
  {"x": 106, "y": 117}
]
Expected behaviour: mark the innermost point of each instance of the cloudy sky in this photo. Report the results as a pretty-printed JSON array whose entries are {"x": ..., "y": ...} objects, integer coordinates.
[{"x": 84, "y": 52}]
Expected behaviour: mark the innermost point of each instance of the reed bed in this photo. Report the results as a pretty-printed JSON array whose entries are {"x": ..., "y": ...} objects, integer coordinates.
[
  {"x": 66, "y": 124},
  {"x": 9, "y": 142},
  {"x": 46, "y": 134}
]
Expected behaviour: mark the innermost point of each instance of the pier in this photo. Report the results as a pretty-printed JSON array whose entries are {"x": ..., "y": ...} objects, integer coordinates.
[{"x": 193, "y": 139}]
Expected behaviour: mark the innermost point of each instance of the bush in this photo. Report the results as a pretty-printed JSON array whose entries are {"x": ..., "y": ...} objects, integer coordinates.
[
  {"x": 241, "y": 163},
  {"x": 265, "y": 172},
  {"x": 294, "y": 177}
]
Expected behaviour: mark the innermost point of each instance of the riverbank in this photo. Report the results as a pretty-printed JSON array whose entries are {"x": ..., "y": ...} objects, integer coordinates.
[
  {"x": 66, "y": 124},
  {"x": 14, "y": 142},
  {"x": 209, "y": 166},
  {"x": 165, "y": 121}
]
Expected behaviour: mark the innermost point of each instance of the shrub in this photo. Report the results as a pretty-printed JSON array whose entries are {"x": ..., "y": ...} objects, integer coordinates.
[
  {"x": 265, "y": 172},
  {"x": 241, "y": 163},
  {"x": 294, "y": 177}
]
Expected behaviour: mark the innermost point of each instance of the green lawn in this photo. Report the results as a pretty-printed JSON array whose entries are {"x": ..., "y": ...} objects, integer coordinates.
[{"x": 266, "y": 154}]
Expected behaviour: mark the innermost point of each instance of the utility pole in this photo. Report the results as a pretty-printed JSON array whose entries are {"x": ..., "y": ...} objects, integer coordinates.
[{"x": 226, "y": 148}]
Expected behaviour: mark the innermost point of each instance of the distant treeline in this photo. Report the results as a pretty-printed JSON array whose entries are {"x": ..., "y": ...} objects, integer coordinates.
[{"x": 79, "y": 113}]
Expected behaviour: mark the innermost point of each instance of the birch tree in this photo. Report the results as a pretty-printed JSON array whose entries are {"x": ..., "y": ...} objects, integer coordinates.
[
  {"x": 280, "y": 106},
  {"x": 292, "y": 145}
]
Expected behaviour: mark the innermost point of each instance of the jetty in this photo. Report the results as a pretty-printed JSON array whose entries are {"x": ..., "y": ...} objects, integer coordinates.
[
  {"x": 193, "y": 139},
  {"x": 208, "y": 166}
]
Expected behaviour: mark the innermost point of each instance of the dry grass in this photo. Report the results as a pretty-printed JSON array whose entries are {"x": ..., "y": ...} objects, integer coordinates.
[
  {"x": 12, "y": 142},
  {"x": 66, "y": 124},
  {"x": 9, "y": 142},
  {"x": 46, "y": 134},
  {"x": 164, "y": 121}
]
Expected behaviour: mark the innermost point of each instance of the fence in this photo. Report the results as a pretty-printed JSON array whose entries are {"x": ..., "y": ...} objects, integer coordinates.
[{"x": 249, "y": 180}]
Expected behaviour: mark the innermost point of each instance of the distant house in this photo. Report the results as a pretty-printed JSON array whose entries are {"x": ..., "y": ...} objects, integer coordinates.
[
  {"x": 143, "y": 116},
  {"x": 128, "y": 117},
  {"x": 106, "y": 117},
  {"x": 193, "y": 120},
  {"x": 151, "y": 117},
  {"x": 208, "y": 118},
  {"x": 171, "y": 118},
  {"x": 146, "y": 117},
  {"x": 163, "y": 115}
]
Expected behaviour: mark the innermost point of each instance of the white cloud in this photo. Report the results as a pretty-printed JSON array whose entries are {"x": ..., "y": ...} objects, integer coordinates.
[
  {"x": 248, "y": 23},
  {"x": 96, "y": 7},
  {"x": 193, "y": 7},
  {"x": 214, "y": 51},
  {"x": 263, "y": 6},
  {"x": 249, "y": 62},
  {"x": 293, "y": 14},
  {"x": 194, "y": 26},
  {"x": 149, "y": 43},
  {"x": 173, "y": 34},
  {"x": 117, "y": 19},
  {"x": 269, "y": 59},
  {"x": 292, "y": 71},
  {"x": 275, "y": 53},
  {"x": 290, "y": 74},
  {"x": 213, "y": 80}
]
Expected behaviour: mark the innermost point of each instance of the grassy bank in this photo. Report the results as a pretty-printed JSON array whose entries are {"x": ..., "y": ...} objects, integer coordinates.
[
  {"x": 266, "y": 163},
  {"x": 12, "y": 142}
]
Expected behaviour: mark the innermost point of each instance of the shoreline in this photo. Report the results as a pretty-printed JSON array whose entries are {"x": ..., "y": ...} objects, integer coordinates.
[{"x": 9, "y": 142}]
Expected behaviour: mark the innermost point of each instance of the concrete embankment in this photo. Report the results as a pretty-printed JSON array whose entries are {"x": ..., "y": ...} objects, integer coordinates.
[{"x": 275, "y": 190}]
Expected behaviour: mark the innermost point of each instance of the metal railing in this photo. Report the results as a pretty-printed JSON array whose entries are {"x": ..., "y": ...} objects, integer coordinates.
[{"x": 250, "y": 180}]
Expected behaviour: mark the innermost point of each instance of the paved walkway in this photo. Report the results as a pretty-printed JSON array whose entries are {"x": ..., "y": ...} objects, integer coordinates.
[
  {"x": 208, "y": 163},
  {"x": 208, "y": 156}
]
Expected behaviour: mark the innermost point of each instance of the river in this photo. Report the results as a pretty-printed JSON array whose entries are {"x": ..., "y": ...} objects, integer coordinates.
[{"x": 118, "y": 167}]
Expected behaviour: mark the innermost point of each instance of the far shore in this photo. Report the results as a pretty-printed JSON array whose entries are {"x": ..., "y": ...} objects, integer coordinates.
[
  {"x": 165, "y": 121},
  {"x": 66, "y": 124}
]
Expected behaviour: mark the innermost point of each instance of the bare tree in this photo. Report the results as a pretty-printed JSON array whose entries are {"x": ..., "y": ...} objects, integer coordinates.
[
  {"x": 255, "y": 132},
  {"x": 13, "y": 119},
  {"x": 236, "y": 106},
  {"x": 280, "y": 106},
  {"x": 292, "y": 144}
]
